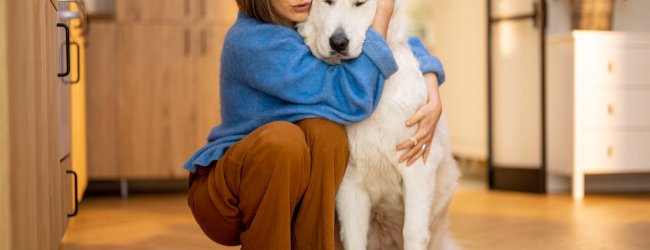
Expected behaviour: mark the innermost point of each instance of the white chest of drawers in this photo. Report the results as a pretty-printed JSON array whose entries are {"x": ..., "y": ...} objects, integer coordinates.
[{"x": 598, "y": 104}]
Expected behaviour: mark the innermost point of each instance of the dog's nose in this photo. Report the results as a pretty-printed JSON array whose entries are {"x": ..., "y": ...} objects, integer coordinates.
[{"x": 339, "y": 42}]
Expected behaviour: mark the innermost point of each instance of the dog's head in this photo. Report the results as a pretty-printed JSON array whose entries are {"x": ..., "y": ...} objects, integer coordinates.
[{"x": 336, "y": 29}]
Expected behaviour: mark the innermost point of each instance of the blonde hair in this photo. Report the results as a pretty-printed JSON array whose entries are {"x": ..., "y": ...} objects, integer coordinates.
[{"x": 262, "y": 10}]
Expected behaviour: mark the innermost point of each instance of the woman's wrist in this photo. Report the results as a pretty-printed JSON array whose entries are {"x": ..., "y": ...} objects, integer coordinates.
[
  {"x": 382, "y": 16},
  {"x": 431, "y": 80}
]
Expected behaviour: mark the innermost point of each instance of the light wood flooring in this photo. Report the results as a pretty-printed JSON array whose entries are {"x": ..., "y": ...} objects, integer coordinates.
[{"x": 480, "y": 219}]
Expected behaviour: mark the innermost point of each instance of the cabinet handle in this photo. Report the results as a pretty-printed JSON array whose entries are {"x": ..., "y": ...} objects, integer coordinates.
[
  {"x": 186, "y": 42},
  {"x": 610, "y": 151},
  {"x": 202, "y": 6},
  {"x": 610, "y": 67},
  {"x": 187, "y": 7},
  {"x": 204, "y": 43},
  {"x": 610, "y": 109},
  {"x": 67, "y": 49},
  {"x": 76, "y": 199},
  {"x": 78, "y": 48}
]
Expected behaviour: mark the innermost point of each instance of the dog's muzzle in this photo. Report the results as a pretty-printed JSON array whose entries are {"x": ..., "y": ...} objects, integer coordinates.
[{"x": 339, "y": 42}]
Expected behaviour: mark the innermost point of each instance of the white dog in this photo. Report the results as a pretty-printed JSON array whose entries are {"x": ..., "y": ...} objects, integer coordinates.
[{"x": 381, "y": 203}]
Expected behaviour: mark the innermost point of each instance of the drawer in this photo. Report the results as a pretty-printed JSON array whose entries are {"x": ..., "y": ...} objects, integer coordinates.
[
  {"x": 612, "y": 63},
  {"x": 614, "y": 109},
  {"x": 614, "y": 152},
  {"x": 153, "y": 10}
]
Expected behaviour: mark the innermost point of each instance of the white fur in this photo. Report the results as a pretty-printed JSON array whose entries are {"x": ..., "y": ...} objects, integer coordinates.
[{"x": 382, "y": 204}]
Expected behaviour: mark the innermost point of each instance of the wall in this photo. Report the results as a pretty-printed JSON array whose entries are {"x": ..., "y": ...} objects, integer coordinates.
[
  {"x": 457, "y": 34},
  {"x": 631, "y": 15},
  {"x": 5, "y": 221}
]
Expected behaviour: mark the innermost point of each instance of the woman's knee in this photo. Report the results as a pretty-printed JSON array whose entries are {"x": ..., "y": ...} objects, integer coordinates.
[
  {"x": 323, "y": 130},
  {"x": 221, "y": 229},
  {"x": 282, "y": 139}
]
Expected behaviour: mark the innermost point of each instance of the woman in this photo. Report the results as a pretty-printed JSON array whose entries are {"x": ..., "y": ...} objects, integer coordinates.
[{"x": 267, "y": 179}]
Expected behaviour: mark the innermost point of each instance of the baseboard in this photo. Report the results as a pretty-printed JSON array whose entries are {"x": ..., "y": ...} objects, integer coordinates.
[
  {"x": 602, "y": 183},
  {"x": 517, "y": 179}
]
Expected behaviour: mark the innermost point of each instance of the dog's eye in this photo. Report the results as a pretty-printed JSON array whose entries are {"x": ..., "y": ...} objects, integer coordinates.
[
  {"x": 328, "y": 2},
  {"x": 357, "y": 4}
]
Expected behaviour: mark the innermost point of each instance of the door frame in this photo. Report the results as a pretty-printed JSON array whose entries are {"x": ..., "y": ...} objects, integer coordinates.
[{"x": 518, "y": 178}]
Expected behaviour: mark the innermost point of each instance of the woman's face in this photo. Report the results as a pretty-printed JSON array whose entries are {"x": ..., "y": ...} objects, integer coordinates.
[{"x": 293, "y": 10}]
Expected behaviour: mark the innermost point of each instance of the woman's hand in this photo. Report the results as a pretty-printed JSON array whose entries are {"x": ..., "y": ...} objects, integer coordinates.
[
  {"x": 382, "y": 16},
  {"x": 427, "y": 120}
]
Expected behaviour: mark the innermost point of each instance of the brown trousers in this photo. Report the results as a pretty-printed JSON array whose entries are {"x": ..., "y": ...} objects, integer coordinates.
[{"x": 275, "y": 188}]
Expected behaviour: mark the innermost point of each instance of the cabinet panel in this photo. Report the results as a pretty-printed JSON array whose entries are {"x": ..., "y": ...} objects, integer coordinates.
[
  {"x": 36, "y": 176},
  {"x": 615, "y": 109},
  {"x": 224, "y": 12},
  {"x": 78, "y": 103},
  {"x": 615, "y": 63},
  {"x": 54, "y": 193},
  {"x": 154, "y": 99},
  {"x": 615, "y": 152},
  {"x": 148, "y": 10},
  {"x": 102, "y": 102},
  {"x": 207, "y": 68}
]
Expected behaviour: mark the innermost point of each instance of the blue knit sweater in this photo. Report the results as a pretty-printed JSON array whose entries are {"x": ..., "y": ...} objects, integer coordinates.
[{"x": 269, "y": 74}]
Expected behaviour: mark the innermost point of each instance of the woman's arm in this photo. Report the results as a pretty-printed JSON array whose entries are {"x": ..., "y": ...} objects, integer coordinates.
[
  {"x": 426, "y": 118},
  {"x": 382, "y": 16},
  {"x": 428, "y": 63},
  {"x": 281, "y": 65},
  {"x": 428, "y": 115}
]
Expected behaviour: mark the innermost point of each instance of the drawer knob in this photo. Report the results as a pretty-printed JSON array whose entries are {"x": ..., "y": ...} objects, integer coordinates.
[
  {"x": 610, "y": 67},
  {"x": 610, "y": 151},
  {"x": 610, "y": 109}
]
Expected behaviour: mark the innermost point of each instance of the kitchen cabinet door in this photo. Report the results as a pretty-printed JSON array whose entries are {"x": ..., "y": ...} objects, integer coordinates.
[
  {"x": 207, "y": 68},
  {"x": 154, "y": 99},
  {"x": 101, "y": 98},
  {"x": 153, "y": 10},
  {"x": 220, "y": 11},
  {"x": 78, "y": 119},
  {"x": 36, "y": 177}
]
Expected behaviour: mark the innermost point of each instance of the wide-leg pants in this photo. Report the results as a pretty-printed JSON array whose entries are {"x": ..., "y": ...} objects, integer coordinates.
[{"x": 275, "y": 188}]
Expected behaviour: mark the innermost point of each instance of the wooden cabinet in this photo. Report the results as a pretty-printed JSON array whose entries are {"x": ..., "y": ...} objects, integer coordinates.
[
  {"x": 77, "y": 91},
  {"x": 38, "y": 194},
  {"x": 154, "y": 86},
  {"x": 207, "y": 65},
  {"x": 171, "y": 11},
  {"x": 153, "y": 10},
  {"x": 599, "y": 105},
  {"x": 153, "y": 99},
  {"x": 215, "y": 10},
  {"x": 101, "y": 99}
]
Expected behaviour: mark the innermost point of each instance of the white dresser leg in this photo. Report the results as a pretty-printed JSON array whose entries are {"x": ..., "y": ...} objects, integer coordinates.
[{"x": 578, "y": 188}]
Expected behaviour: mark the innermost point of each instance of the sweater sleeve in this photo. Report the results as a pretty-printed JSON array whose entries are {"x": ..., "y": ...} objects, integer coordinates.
[
  {"x": 428, "y": 62},
  {"x": 281, "y": 65}
]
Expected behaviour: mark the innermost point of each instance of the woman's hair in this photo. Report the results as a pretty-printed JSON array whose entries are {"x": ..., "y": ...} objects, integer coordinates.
[{"x": 262, "y": 10}]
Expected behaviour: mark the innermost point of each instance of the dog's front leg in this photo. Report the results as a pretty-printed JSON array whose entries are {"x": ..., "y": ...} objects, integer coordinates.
[
  {"x": 419, "y": 188},
  {"x": 353, "y": 208}
]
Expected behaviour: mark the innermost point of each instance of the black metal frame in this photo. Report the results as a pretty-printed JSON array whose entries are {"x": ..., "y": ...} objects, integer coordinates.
[{"x": 512, "y": 178}]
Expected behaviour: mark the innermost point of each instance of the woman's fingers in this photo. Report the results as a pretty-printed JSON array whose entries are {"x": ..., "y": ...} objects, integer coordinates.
[
  {"x": 413, "y": 150},
  {"x": 419, "y": 115},
  {"x": 428, "y": 149},
  {"x": 415, "y": 157},
  {"x": 420, "y": 135}
]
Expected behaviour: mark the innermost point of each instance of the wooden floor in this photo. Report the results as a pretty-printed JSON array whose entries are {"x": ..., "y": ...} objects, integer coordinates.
[{"x": 480, "y": 219}]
